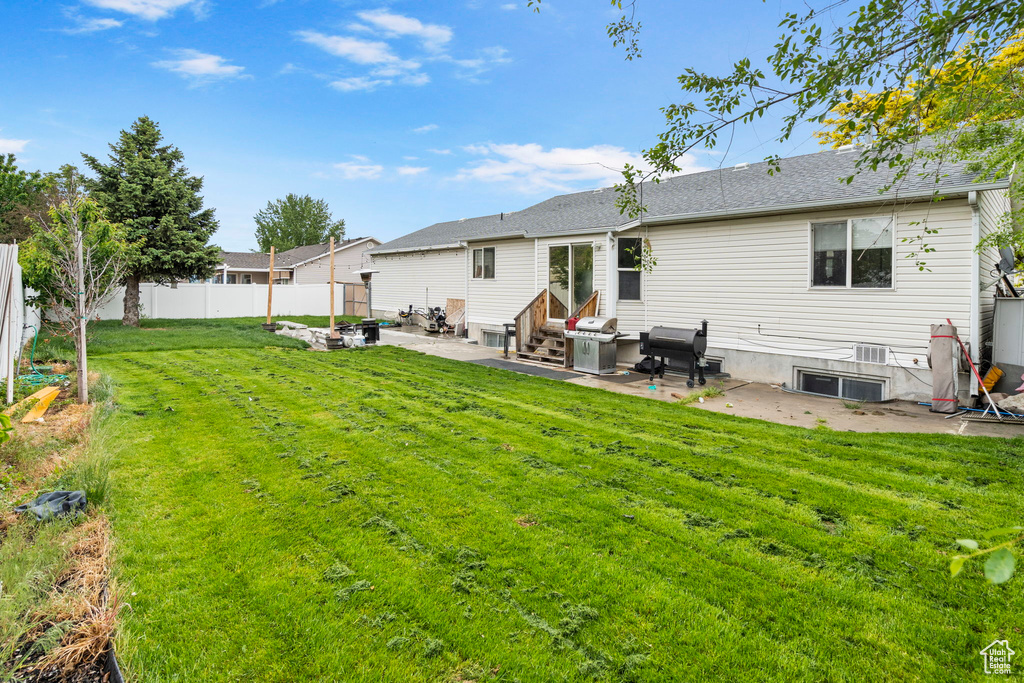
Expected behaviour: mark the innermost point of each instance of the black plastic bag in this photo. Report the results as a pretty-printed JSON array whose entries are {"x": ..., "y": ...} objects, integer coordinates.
[{"x": 644, "y": 366}]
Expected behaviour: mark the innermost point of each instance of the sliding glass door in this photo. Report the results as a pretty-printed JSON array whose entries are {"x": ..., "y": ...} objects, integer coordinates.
[{"x": 570, "y": 278}]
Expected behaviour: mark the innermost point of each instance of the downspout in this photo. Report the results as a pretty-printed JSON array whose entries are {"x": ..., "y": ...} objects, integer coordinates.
[
  {"x": 465, "y": 279},
  {"x": 972, "y": 199},
  {"x": 536, "y": 267},
  {"x": 611, "y": 282}
]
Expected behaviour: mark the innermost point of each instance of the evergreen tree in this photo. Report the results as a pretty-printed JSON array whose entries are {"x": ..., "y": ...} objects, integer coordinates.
[
  {"x": 295, "y": 222},
  {"x": 146, "y": 189}
]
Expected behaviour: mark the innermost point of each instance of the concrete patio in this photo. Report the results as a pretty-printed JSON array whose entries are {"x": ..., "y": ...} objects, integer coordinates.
[{"x": 746, "y": 399}]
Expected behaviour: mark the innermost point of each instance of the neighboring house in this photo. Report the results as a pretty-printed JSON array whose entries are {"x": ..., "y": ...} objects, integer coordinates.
[
  {"x": 302, "y": 265},
  {"x": 805, "y": 279}
]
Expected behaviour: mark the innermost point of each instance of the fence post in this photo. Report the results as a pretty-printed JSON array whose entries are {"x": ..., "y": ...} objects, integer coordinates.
[{"x": 206, "y": 301}]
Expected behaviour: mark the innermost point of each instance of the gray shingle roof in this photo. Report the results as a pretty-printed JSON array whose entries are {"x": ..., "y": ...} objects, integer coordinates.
[
  {"x": 809, "y": 180},
  {"x": 282, "y": 260}
]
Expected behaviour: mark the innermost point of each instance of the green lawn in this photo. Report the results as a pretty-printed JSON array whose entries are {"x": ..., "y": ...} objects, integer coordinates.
[
  {"x": 156, "y": 334},
  {"x": 380, "y": 515}
]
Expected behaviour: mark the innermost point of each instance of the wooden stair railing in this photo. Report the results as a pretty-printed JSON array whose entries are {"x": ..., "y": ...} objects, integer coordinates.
[
  {"x": 530, "y": 320},
  {"x": 556, "y": 309},
  {"x": 588, "y": 309},
  {"x": 538, "y": 341}
]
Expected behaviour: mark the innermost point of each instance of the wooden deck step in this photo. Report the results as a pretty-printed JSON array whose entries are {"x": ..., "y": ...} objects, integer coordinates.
[
  {"x": 545, "y": 351},
  {"x": 537, "y": 340},
  {"x": 541, "y": 358}
]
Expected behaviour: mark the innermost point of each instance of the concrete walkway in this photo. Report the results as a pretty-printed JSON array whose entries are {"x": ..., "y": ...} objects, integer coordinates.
[{"x": 747, "y": 399}]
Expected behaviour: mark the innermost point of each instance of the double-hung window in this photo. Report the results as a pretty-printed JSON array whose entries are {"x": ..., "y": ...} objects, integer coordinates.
[
  {"x": 483, "y": 263},
  {"x": 628, "y": 253},
  {"x": 852, "y": 253}
]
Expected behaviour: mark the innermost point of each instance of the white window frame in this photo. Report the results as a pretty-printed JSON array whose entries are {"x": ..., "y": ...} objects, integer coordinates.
[
  {"x": 618, "y": 292},
  {"x": 849, "y": 256},
  {"x": 483, "y": 264},
  {"x": 246, "y": 278},
  {"x": 497, "y": 336},
  {"x": 841, "y": 376}
]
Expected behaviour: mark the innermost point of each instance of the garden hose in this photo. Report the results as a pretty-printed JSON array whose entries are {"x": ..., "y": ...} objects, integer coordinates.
[{"x": 36, "y": 378}]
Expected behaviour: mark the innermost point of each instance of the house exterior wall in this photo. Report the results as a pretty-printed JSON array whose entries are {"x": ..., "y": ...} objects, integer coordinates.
[
  {"x": 419, "y": 278},
  {"x": 521, "y": 272},
  {"x": 750, "y": 279},
  {"x": 493, "y": 302},
  {"x": 992, "y": 205},
  {"x": 346, "y": 261}
]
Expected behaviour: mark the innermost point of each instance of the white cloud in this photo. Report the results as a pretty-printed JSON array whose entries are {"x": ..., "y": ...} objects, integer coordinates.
[
  {"x": 200, "y": 67},
  {"x": 385, "y": 64},
  {"x": 439, "y": 151},
  {"x": 415, "y": 79},
  {"x": 486, "y": 59},
  {"x": 531, "y": 168},
  {"x": 509, "y": 6},
  {"x": 412, "y": 170},
  {"x": 357, "y": 83},
  {"x": 411, "y": 158},
  {"x": 150, "y": 9},
  {"x": 354, "y": 170},
  {"x": 434, "y": 37},
  {"x": 9, "y": 146},
  {"x": 425, "y": 129},
  {"x": 85, "y": 25},
  {"x": 352, "y": 49}
]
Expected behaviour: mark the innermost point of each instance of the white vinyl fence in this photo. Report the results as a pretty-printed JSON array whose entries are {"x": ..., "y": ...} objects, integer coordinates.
[
  {"x": 239, "y": 301},
  {"x": 12, "y": 316}
]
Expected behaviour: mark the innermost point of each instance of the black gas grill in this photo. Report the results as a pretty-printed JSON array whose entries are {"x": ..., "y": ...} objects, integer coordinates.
[{"x": 673, "y": 343}]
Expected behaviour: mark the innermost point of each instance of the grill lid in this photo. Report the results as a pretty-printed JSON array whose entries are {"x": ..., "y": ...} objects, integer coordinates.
[
  {"x": 678, "y": 339},
  {"x": 595, "y": 324}
]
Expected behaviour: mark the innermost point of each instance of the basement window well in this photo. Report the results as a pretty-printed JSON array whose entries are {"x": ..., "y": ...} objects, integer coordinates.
[{"x": 839, "y": 386}]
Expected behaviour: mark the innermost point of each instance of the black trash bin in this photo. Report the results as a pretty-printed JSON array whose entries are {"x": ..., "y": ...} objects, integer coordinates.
[{"x": 371, "y": 330}]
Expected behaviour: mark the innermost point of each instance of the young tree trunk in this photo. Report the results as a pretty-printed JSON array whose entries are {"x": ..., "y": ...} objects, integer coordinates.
[
  {"x": 82, "y": 358},
  {"x": 131, "y": 301}
]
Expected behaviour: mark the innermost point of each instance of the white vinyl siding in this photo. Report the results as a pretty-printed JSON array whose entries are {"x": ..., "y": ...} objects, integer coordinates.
[
  {"x": 346, "y": 262},
  {"x": 992, "y": 206},
  {"x": 419, "y": 278},
  {"x": 497, "y": 300},
  {"x": 749, "y": 278}
]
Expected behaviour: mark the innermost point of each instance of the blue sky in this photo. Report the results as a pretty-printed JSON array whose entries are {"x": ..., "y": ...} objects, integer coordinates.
[{"x": 399, "y": 114}]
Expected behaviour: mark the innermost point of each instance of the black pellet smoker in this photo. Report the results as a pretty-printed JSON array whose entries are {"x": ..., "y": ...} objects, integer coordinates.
[{"x": 676, "y": 344}]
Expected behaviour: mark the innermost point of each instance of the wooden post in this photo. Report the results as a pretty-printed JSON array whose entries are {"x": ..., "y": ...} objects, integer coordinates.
[
  {"x": 333, "y": 333},
  {"x": 270, "y": 285}
]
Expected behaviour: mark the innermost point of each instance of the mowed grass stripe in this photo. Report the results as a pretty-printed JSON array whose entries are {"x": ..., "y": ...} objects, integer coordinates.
[
  {"x": 849, "y": 470},
  {"x": 563, "y": 491},
  {"x": 775, "y": 645}
]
